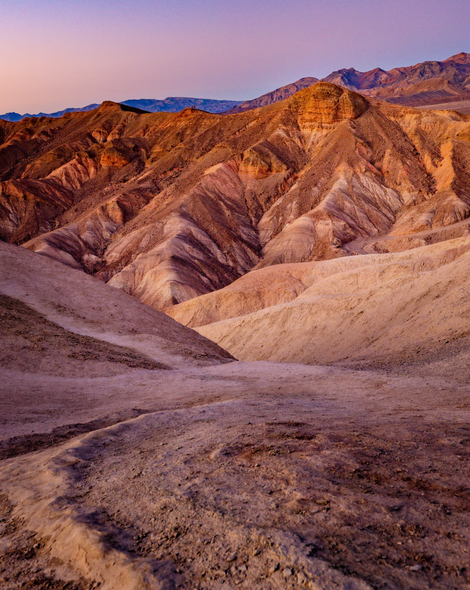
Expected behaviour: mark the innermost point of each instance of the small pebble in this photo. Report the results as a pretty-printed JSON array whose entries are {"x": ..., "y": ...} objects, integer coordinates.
[
  {"x": 301, "y": 578},
  {"x": 287, "y": 572}
]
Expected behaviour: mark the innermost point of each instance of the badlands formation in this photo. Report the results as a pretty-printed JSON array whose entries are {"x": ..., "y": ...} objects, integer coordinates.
[
  {"x": 305, "y": 421},
  {"x": 168, "y": 207}
]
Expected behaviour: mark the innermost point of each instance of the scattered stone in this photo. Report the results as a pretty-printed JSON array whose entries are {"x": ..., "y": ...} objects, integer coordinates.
[
  {"x": 287, "y": 572},
  {"x": 301, "y": 578}
]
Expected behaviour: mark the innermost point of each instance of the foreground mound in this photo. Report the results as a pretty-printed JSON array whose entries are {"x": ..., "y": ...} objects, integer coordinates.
[
  {"x": 385, "y": 309},
  {"x": 82, "y": 305},
  {"x": 71, "y": 348},
  {"x": 117, "y": 473}
]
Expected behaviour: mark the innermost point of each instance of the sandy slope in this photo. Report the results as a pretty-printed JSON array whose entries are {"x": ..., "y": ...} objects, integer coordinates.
[
  {"x": 403, "y": 307},
  {"x": 83, "y": 305},
  {"x": 462, "y": 106},
  {"x": 68, "y": 343},
  {"x": 283, "y": 283}
]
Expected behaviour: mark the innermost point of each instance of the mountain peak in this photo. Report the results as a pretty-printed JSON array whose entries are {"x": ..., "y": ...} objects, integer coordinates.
[
  {"x": 461, "y": 58},
  {"x": 108, "y": 104},
  {"x": 328, "y": 103}
]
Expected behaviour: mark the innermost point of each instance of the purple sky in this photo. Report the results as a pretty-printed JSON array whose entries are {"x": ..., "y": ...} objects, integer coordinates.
[{"x": 69, "y": 53}]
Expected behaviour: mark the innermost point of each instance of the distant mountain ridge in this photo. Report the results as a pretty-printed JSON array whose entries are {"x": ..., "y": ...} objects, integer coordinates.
[
  {"x": 423, "y": 84},
  {"x": 455, "y": 71},
  {"x": 172, "y": 104},
  {"x": 15, "y": 117},
  {"x": 274, "y": 96},
  {"x": 175, "y": 104}
]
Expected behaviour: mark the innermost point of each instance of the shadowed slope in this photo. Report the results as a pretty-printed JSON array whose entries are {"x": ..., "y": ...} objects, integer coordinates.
[{"x": 73, "y": 305}]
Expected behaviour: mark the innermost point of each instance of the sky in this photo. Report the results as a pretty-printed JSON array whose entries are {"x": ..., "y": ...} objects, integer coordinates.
[{"x": 56, "y": 54}]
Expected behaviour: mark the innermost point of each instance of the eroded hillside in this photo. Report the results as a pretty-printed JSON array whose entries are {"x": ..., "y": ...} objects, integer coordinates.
[{"x": 172, "y": 206}]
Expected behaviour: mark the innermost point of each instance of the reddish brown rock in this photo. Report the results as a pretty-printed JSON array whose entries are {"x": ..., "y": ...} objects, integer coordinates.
[{"x": 172, "y": 206}]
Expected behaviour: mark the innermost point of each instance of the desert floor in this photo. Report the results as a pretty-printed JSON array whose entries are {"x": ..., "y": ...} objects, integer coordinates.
[
  {"x": 135, "y": 454},
  {"x": 250, "y": 475}
]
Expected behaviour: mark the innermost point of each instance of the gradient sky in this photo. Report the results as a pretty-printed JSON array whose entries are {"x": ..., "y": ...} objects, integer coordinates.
[{"x": 69, "y": 53}]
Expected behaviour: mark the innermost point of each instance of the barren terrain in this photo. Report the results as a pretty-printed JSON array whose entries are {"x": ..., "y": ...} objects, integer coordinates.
[
  {"x": 311, "y": 431},
  {"x": 138, "y": 461},
  {"x": 373, "y": 310},
  {"x": 171, "y": 206}
]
